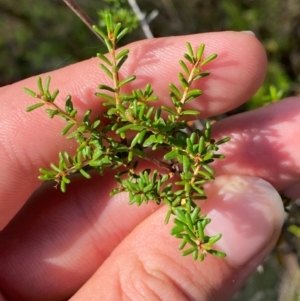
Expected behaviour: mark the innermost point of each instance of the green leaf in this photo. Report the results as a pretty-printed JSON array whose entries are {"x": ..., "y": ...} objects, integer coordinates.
[
  {"x": 52, "y": 112},
  {"x": 112, "y": 111},
  {"x": 121, "y": 109},
  {"x": 208, "y": 168},
  {"x": 157, "y": 114},
  {"x": 168, "y": 215},
  {"x": 208, "y": 156},
  {"x": 139, "y": 153},
  {"x": 30, "y": 92},
  {"x": 96, "y": 124},
  {"x": 217, "y": 253},
  {"x": 195, "y": 214},
  {"x": 127, "y": 127},
  {"x": 109, "y": 44},
  {"x": 107, "y": 71},
  {"x": 104, "y": 59},
  {"x": 193, "y": 137},
  {"x": 184, "y": 67},
  {"x": 201, "y": 144},
  {"x": 84, "y": 173},
  {"x": 73, "y": 113},
  {"x": 126, "y": 80},
  {"x": 175, "y": 90},
  {"x": 108, "y": 23},
  {"x": 200, "y": 51},
  {"x": 180, "y": 215},
  {"x": 35, "y": 106},
  {"x": 117, "y": 29},
  {"x": 195, "y": 93},
  {"x": 105, "y": 87},
  {"x": 150, "y": 111},
  {"x": 122, "y": 34},
  {"x": 149, "y": 141},
  {"x": 207, "y": 131},
  {"x": 200, "y": 231},
  {"x": 68, "y": 158},
  {"x": 130, "y": 156},
  {"x": 46, "y": 177},
  {"x": 54, "y": 167},
  {"x": 54, "y": 95},
  {"x": 189, "y": 251},
  {"x": 69, "y": 105},
  {"x": 189, "y": 58},
  {"x": 189, "y": 224},
  {"x": 47, "y": 84},
  {"x": 141, "y": 136},
  {"x": 105, "y": 96},
  {"x": 152, "y": 98},
  {"x": 67, "y": 128},
  {"x": 40, "y": 85},
  {"x": 209, "y": 59},
  {"x": 122, "y": 61},
  {"x": 182, "y": 245},
  {"x": 199, "y": 190},
  {"x": 180, "y": 225},
  {"x": 186, "y": 162},
  {"x": 171, "y": 155},
  {"x": 178, "y": 231},
  {"x": 201, "y": 75},
  {"x": 96, "y": 163},
  {"x": 190, "y": 49},
  {"x": 183, "y": 81},
  {"x": 48, "y": 172},
  {"x": 195, "y": 254},
  {"x": 138, "y": 138},
  {"x": 63, "y": 186},
  {"x": 226, "y": 139},
  {"x": 206, "y": 175},
  {"x": 190, "y": 112},
  {"x": 122, "y": 53},
  {"x": 100, "y": 31},
  {"x": 189, "y": 232},
  {"x": 87, "y": 116},
  {"x": 213, "y": 239},
  {"x": 169, "y": 110}
]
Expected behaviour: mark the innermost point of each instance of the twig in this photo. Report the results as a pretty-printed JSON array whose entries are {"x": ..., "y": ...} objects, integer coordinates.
[
  {"x": 142, "y": 18},
  {"x": 83, "y": 16}
]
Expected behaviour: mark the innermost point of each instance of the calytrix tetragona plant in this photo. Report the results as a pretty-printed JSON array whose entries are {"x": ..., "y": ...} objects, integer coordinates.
[{"x": 133, "y": 130}]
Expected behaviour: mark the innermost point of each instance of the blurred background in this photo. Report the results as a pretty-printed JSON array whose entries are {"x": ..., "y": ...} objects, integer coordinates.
[{"x": 38, "y": 36}]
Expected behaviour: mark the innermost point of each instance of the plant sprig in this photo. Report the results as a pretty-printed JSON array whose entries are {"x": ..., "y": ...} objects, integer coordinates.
[{"x": 133, "y": 130}]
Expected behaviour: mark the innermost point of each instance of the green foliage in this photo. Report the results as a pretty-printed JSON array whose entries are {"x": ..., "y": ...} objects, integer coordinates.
[
  {"x": 276, "y": 86},
  {"x": 33, "y": 41},
  {"x": 133, "y": 130},
  {"x": 294, "y": 230},
  {"x": 120, "y": 14}
]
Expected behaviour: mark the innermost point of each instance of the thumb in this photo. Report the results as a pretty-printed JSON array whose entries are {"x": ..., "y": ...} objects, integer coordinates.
[{"x": 147, "y": 265}]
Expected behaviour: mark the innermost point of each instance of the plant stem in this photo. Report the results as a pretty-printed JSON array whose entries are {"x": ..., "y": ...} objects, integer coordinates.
[{"x": 83, "y": 16}]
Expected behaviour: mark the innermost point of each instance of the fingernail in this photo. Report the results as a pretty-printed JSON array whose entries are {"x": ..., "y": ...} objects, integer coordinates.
[
  {"x": 248, "y": 212},
  {"x": 249, "y": 32}
]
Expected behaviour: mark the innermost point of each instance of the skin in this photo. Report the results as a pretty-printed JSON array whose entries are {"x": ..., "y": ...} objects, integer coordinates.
[{"x": 85, "y": 245}]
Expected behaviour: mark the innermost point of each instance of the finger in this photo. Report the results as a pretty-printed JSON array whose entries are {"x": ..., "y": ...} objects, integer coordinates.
[
  {"x": 264, "y": 143},
  {"x": 147, "y": 265},
  {"x": 29, "y": 141},
  {"x": 64, "y": 236},
  {"x": 69, "y": 239},
  {"x": 292, "y": 192}
]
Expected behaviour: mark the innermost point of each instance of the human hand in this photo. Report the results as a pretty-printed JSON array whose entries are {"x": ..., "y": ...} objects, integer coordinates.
[{"x": 85, "y": 245}]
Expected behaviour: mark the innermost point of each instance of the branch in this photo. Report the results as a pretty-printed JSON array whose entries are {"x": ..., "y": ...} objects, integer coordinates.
[
  {"x": 83, "y": 16},
  {"x": 142, "y": 18}
]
